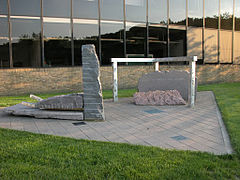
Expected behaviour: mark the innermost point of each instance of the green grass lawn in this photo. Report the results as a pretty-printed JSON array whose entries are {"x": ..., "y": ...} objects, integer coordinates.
[{"x": 26, "y": 155}]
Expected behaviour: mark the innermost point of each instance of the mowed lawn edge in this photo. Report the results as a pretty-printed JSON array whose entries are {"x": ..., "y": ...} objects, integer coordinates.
[{"x": 25, "y": 155}]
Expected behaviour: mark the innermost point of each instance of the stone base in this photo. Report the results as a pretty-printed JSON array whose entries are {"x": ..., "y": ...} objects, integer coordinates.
[{"x": 21, "y": 110}]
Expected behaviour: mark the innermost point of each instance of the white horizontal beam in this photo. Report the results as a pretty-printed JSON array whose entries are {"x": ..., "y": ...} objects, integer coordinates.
[{"x": 169, "y": 59}]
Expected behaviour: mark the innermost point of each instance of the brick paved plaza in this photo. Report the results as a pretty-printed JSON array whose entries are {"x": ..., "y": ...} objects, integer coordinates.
[{"x": 170, "y": 127}]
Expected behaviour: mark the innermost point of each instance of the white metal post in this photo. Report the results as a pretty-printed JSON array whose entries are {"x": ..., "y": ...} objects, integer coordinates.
[
  {"x": 193, "y": 79},
  {"x": 156, "y": 66},
  {"x": 115, "y": 82}
]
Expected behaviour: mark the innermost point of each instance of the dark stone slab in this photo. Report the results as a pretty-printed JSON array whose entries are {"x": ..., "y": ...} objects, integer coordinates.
[
  {"x": 166, "y": 80},
  {"x": 21, "y": 110}
]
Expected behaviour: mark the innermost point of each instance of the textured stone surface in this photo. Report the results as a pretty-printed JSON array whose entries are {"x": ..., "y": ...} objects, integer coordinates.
[
  {"x": 161, "y": 98},
  {"x": 63, "y": 102},
  {"x": 21, "y": 110},
  {"x": 93, "y": 103},
  {"x": 166, "y": 80}
]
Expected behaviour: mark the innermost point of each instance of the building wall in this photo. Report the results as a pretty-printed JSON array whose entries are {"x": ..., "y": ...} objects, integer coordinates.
[{"x": 68, "y": 79}]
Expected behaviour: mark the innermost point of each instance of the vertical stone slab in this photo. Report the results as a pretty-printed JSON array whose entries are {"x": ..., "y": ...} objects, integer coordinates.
[{"x": 92, "y": 98}]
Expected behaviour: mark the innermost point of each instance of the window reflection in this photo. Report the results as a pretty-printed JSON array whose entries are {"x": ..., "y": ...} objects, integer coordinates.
[
  {"x": 111, "y": 41},
  {"x": 157, "y": 11},
  {"x": 84, "y": 32},
  {"x": 177, "y": 12},
  {"x": 211, "y": 13},
  {"x": 57, "y": 8},
  {"x": 136, "y": 10},
  {"x": 85, "y": 9},
  {"x": 195, "y": 13},
  {"x": 112, "y": 9},
  {"x": 157, "y": 41},
  {"x": 25, "y": 7},
  {"x": 136, "y": 39},
  {"x": 57, "y": 44},
  {"x": 4, "y": 43},
  {"x": 26, "y": 42},
  {"x": 3, "y": 7},
  {"x": 237, "y": 15},
  {"x": 177, "y": 42},
  {"x": 226, "y": 14}
]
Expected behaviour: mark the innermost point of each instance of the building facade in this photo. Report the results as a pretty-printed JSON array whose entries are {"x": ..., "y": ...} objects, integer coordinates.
[{"x": 50, "y": 33}]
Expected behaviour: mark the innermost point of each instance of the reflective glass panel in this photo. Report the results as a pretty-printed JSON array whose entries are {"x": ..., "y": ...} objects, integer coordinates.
[
  {"x": 136, "y": 39},
  {"x": 112, "y": 9},
  {"x": 3, "y": 7},
  {"x": 26, "y": 42},
  {"x": 111, "y": 41},
  {"x": 177, "y": 12},
  {"x": 25, "y": 7},
  {"x": 57, "y": 44},
  {"x": 136, "y": 10},
  {"x": 57, "y": 8},
  {"x": 226, "y": 14},
  {"x": 177, "y": 42},
  {"x": 195, "y": 13},
  {"x": 84, "y": 32},
  {"x": 4, "y": 43},
  {"x": 237, "y": 15},
  {"x": 157, "y": 11},
  {"x": 157, "y": 41},
  {"x": 85, "y": 9},
  {"x": 211, "y": 13}
]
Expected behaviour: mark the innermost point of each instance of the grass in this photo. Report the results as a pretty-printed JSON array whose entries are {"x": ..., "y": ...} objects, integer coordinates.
[{"x": 25, "y": 155}]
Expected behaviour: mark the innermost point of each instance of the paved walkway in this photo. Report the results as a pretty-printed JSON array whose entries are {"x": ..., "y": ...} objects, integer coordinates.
[{"x": 174, "y": 127}]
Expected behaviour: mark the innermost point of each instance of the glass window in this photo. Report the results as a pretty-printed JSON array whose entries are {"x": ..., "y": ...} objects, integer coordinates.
[
  {"x": 177, "y": 12},
  {"x": 84, "y": 32},
  {"x": 225, "y": 46},
  {"x": 195, "y": 13},
  {"x": 85, "y": 9},
  {"x": 3, "y": 7},
  {"x": 26, "y": 42},
  {"x": 136, "y": 39},
  {"x": 211, "y": 13},
  {"x": 157, "y": 41},
  {"x": 112, "y": 9},
  {"x": 111, "y": 41},
  {"x": 4, "y": 43},
  {"x": 226, "y": 14},
  {"x": 25, "y": 7},
  {"x": 157, "y": 11},
  {"x": 210, "y": 45},
  {"x": 57, "y": 8},
  {"x": 194, "y": 42},
  {"x": 136, "y": 10},
  {"x": 177, "y": 42},
  {"x": 237, "y": 15},
  {"x": 57, "y": 44}
]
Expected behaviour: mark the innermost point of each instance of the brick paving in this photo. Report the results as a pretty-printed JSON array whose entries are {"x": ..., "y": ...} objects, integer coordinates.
[{"x": 172, "y": 127}]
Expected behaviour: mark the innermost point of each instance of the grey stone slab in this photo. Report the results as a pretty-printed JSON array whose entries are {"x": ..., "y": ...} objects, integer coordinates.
[
  {"x": 166, "y": 80},
  {"x": 91, "y": 84},
  {"x": 21, "y": 110}
]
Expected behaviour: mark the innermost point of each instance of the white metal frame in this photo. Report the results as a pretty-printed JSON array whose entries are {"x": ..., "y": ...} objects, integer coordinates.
[{"x": 192, "y": 65}]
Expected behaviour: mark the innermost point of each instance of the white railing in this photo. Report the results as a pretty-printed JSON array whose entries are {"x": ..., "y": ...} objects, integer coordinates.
[{"x": 192, "y": 65}]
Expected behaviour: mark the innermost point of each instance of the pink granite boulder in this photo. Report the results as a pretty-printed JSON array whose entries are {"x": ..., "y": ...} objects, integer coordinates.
[{"x": 159, "y": 98}]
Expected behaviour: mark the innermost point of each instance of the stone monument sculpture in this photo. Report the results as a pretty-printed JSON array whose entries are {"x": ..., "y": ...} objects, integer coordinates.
[{"x": 77, "y": 106}]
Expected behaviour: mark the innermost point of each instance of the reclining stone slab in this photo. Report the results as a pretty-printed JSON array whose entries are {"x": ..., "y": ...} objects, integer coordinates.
[{"x": 70, "y": 102}]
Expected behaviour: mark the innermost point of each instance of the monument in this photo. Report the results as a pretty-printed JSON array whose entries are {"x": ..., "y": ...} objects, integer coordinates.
[{"x": 77, "y": 106}]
